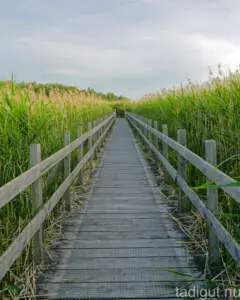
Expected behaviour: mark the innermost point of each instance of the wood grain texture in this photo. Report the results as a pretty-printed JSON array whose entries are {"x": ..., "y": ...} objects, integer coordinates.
[
  {"x": 117, "y": 247},
  {"x": 212, "y": 204},
  {"x": 36, "y": 202}
]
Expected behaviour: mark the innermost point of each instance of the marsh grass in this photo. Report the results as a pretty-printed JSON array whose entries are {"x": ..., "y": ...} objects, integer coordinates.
[
  {"x": 207, "y": 111},
  {"x": 27, "y": 117}
]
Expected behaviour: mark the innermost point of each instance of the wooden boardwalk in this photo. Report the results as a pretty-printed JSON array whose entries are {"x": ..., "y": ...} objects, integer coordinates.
[{"x": 118, "y": 248}]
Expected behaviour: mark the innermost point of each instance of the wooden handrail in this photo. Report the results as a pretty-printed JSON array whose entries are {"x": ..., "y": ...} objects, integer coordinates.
[
  {"x": 20, "y": 183},
  {"x": 15, "y": 249},
  {"x": 210, "y": 171},
  {"x": 214, "y": 224}
]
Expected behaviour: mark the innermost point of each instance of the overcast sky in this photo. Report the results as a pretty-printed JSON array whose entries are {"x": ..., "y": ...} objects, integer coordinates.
[{"x": 130, "y": 47}]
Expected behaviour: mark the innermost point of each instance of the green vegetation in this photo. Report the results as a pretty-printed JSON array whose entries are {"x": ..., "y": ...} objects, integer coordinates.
[
  {"x": 51, "y": 87},
  {"x": 34, "y": 113},
  {"x": 27, "y": 116},
  {"x": 207, "y": 111}
]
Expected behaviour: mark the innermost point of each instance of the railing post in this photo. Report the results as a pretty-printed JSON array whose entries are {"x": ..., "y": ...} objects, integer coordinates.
[
  {"x": 164, "y": 145},
  {"x": 95, "y": 137},
  {"x": 142, "y": 126},
  {"x": 212, "y": 204},
  {"x": 90, "y": 141},
  {"x": 37, "y": 201},
  {"x": 184, "y": 203},
  {"x": 101, "y": 132},
  {"x": 150, "y": 133},
  {"x": 67, "y": 171},
  {"x": 80, "y": 152},
  {"x": 145, "y": 127},
  {"x": 156, "y": 138}
]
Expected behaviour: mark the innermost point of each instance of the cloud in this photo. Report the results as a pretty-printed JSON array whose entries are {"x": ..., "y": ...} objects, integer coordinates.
[{"x": 130, "y": 47}]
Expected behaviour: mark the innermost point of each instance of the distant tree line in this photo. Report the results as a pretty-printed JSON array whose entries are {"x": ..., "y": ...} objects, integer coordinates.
[{"x": 49, "y": 87}]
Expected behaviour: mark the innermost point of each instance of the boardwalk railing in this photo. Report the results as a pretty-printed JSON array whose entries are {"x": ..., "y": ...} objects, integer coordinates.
[
  {"x": 217, "y": 231},
  {"x": 32, "y": 178}
]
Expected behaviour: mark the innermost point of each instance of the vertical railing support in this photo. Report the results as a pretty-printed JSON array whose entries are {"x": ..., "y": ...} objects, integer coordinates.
[
  {"x": 80, "y": 153},
  {"x": 37, "y": 201},
  {"x": 156, "y": 138},
  {"x": 90, "y": 141},
  {"x": 212, "y": 204},
  {"x": 101, "y": 132},
  {"x": 184, "y": 203},
  {"x": 164, "y": 145},
  {"x": 95, "y": 138},
  {"x": 67, "y": 171},
  {"x": 150, "y": 133},
  {"x": 145, "y": 132}
]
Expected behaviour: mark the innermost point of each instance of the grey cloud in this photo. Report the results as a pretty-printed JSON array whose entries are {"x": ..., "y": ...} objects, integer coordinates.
[{"x": 130, "y": 47}]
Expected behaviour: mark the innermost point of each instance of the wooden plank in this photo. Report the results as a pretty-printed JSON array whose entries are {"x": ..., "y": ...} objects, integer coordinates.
[
  {"x": 80, "y": 153},
  {"x": 114, "y": 234},
  {"x": 212, "y": 205},
  {"x": 164, "y": 145},
  {"x": 90, "y": 144},
  {"x": 19, "y": 244},
  {"x": 122, "y": 253},
  {"x": 113, "y": 221},
  {"x": 116, "y": 207},
  {"x": 114, "y": 275},
  {"x": 156, "y": 138},
  {"x": 184, "y": 203},
  {"x": 67, "y": 171},
  {"x": 36, "y": 201},
  {"x": 140, "y": 290},
  {"x": 125, "y": 236},
  {"x": 136, "y": 243},
  {"x": 126, "y": 262},
  {"x": 19, "y": 184},
  {"x": 210, "y": 171},
  {"x": 132, "y": 227},
  {"x": 94, "y": 136}
]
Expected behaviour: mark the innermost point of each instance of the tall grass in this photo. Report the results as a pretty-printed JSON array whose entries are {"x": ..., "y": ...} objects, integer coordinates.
[
  {"x": 29, "y": 116},
  {"x": 207, "y": 111}
]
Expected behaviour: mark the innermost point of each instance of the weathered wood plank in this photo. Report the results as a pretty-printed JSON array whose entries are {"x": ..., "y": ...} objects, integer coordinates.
[
  {"x": 123, "y": 253},
  {"x": 67, "y": 171},
  {"x": 118, "y": 244},
  {"x": 212, "y": 205},
  {"x": 76, "y": 263},
  {"x": 36, "y": 203},
  {"x": 184, "y": 203},
  {"x": 123, "y": 235},
  {"x": 123, "y": 228},
  {"x": 115, "y": 275},
  {"x": 140, "y": 290}
]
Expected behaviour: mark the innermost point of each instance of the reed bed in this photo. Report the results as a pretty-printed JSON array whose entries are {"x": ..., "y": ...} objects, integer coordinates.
[
  {"x": 28, "y": 116},
  {"x": 207, "y": 111}
]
